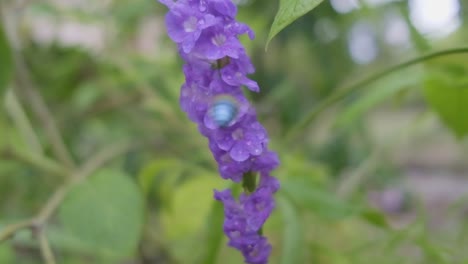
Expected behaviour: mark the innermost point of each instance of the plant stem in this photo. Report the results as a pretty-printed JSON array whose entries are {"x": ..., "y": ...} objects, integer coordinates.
[
  {"x": 38, "y": 222},
  {"x": 21, "y": 121},
  {"x": 38, "y": 161},
  {"x": 10, "y": 230},
  {"x": 26, "y": 88},
  {"x": 249, "y": 182},
  {"x": 342, "y": 93},
  {"x": 30, "y": 92},
  {"x": 46, "y": 250}
]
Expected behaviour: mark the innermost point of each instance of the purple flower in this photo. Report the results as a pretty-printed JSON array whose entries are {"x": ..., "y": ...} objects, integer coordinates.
[
  {"x": 185, "y": 23},
  {"x": 243, "y": 140},
  {"x": 217, "y": 43},
  {"x": 217, "y": 65},
  {"x": 235, "y": 73},
  {"x": 244, "y": 219}
]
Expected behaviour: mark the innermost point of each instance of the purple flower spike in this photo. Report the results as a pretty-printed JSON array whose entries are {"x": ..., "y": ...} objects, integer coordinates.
[
  {"x": 216, "y": 66},
  {"x": 185, "y": 23}
]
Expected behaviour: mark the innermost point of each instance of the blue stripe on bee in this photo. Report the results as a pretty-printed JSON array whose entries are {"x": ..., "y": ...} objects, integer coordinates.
[{"x": 223, "y": 110}]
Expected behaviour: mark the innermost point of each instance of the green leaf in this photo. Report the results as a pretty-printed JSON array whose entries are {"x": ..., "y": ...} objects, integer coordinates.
[
  {"x": 6, "y": 64},
  {"x": 290, "y": 10},
  {"x": 213, "y": 235},
  {"x": 105, "y": 213},
  {"x": 375, "y": 218},
  {"x": 319, "y": 201},
  {"x": 434, "y": 253},
  {"x": 153, "y": 171},
  {"x": 293, "y": 240},
  {"x": 191, "y": 204},
  {"x": 446, "y": 91},
  {"x": 191, "y": 200},
  {"x": 6, "y": 253}
]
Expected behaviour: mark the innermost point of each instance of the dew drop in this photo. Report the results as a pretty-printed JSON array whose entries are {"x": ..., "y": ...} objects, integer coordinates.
[
  {"x": 256, "y": 151},
  {"x": 225, "y": 143},
  {"x": 239, "y": 153},
  {"x": 202, "y": 6}
]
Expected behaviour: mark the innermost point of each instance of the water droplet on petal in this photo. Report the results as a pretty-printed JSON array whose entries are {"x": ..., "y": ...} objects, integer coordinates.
[
  {"x": 225, "y": 143},
  {"x": 239, "y": 152},
  {"x": 202, "y": 6},
  {"x": 256, "y": 151}
]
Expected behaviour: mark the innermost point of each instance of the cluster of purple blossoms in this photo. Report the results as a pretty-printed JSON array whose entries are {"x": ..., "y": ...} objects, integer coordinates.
[{"x": 216, "y": 64}]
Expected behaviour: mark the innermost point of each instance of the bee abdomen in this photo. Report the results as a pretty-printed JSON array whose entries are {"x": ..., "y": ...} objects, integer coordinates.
[{"x": 223, "y": 111}]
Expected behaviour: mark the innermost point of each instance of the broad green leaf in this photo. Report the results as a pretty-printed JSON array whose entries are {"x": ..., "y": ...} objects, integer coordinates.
[
  {"x": 192, "y": 200},
  {"x": 105, "y": 213},
  {"x": 6, "y": 253},
  {"x": 191, "y": 204},
  {"x": 290, "y": 10},
  {"x": 293, "y": 239},
  {"x": 446, "y": 91},
  {"x": 213, "y": 235},
  {"x": 320, "y": 202},
  {"x": 6, "y": 63}
]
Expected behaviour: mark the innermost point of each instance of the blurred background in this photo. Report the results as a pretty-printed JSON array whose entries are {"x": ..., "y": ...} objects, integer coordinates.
[{"x": 96, "y": 150}]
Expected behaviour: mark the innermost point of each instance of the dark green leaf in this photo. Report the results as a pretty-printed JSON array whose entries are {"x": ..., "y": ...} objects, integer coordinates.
[
  {"x": 191, "y": 200},
  {"x": 293, "y": 239},
  {"x": 290, "y": 10},
  {"x": 447, "y": 93},
  {"x": 191, "y": 205},
  {"x": 152, "y": 171},
  {"x": 6, "y": 61},
  {"x": 374, "y": 217},
  {"x": 105, "y": 213},
  {"x": 213, "y": 235},
  {"x": 319, "y": 201}
]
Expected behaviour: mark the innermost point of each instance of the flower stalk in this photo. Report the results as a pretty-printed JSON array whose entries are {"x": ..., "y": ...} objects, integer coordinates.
[{"x": 216, "y": 68}]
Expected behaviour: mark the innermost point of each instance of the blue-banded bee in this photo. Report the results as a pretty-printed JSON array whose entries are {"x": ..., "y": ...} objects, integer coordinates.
[{"x": 223, "y": 110}]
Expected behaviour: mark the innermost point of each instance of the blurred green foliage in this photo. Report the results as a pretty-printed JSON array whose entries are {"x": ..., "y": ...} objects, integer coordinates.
[{"x": 139, "y": 187}]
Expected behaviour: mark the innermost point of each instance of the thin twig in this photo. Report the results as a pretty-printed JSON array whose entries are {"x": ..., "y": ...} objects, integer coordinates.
[
  {"x": 87, "y": 169},
  {"x": 21, "y": 121},
  {"x": 38, "y": 161},
  {"x": 94, "y": 163},
  {"x": 10, "y": 230},
  {"x": 27, "y": 89},
  {"x": 52, "y": 204},
  {"x": 343, "y": 93},
  {"x": 104, "y": 156},
  {"x": 46, "y": 250}
]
